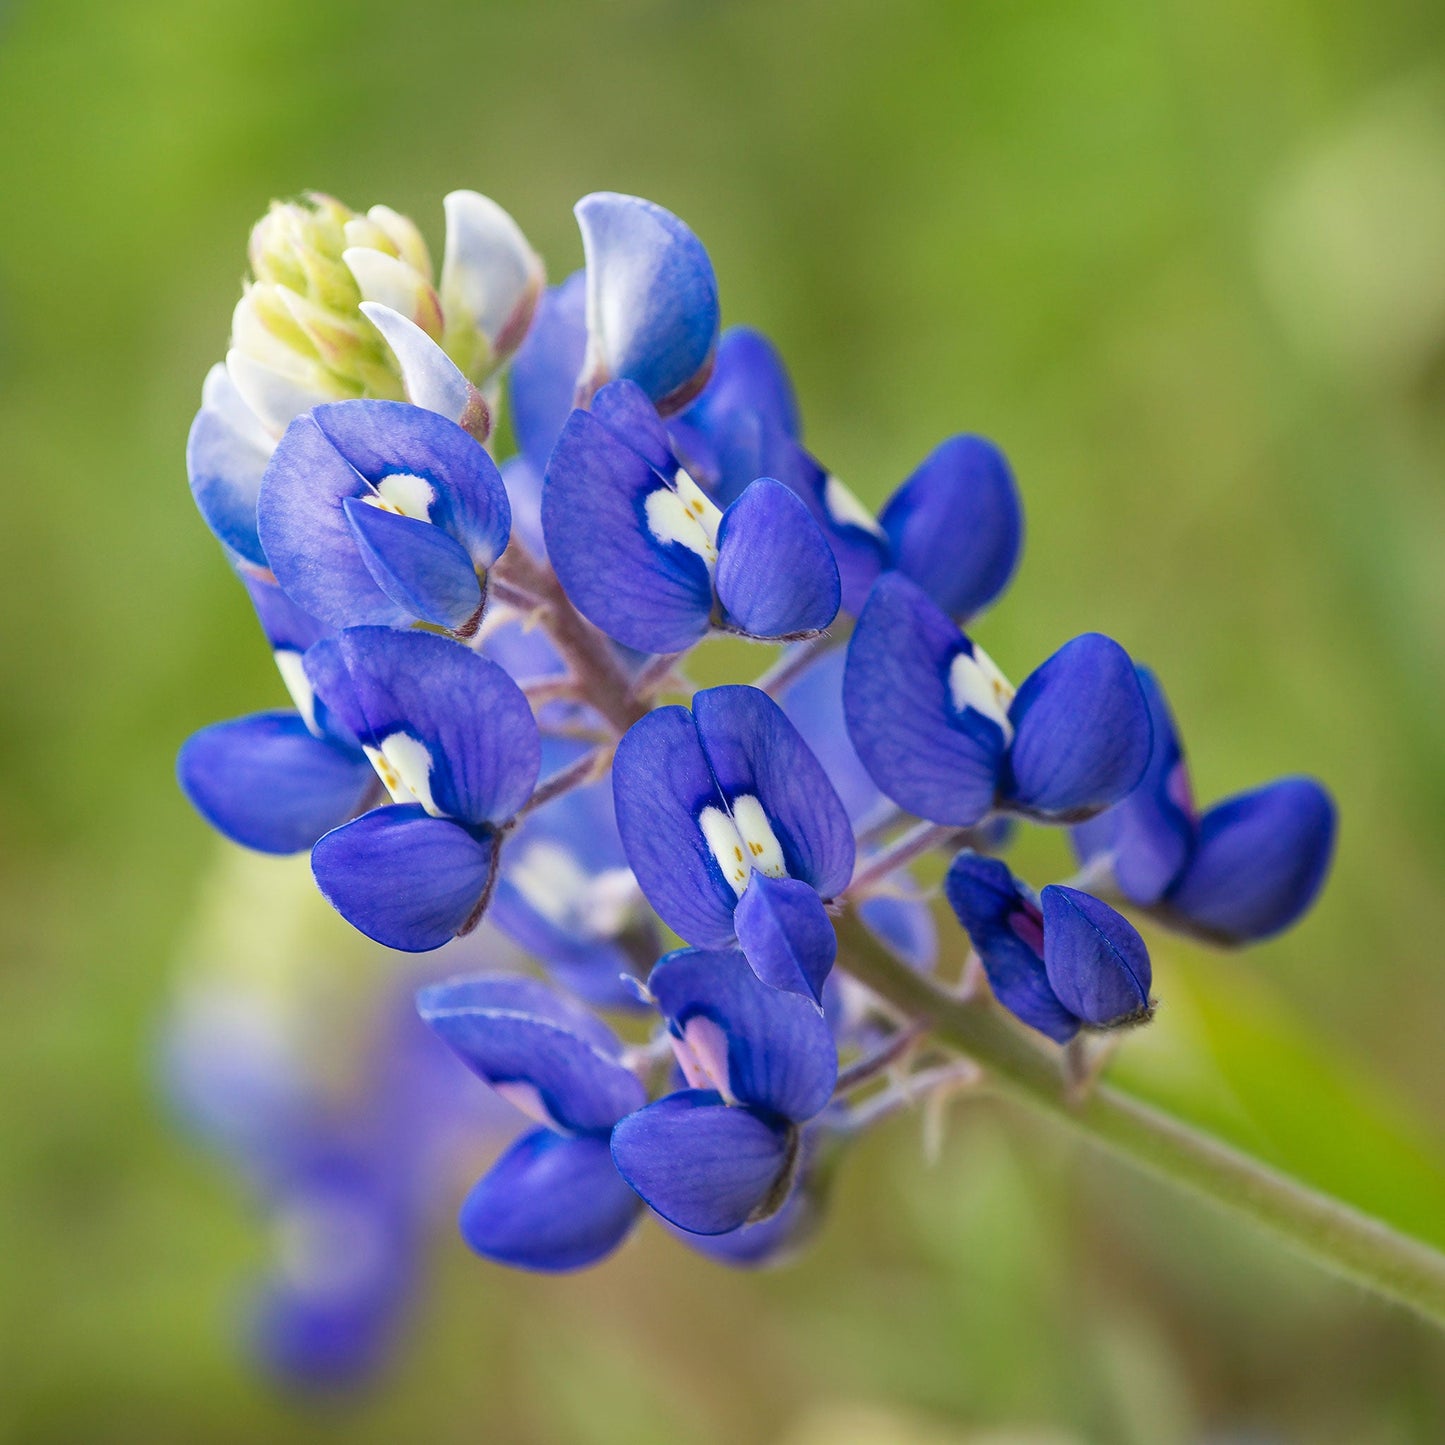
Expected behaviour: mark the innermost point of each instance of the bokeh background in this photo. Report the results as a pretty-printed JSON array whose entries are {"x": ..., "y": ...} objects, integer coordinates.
[{"x": 1185, "y": 262}]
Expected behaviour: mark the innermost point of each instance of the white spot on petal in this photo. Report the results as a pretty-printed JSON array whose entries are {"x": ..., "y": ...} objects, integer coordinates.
[
  {"x": 975, "y": 682},
  {"x": 293, "y": 674},
  {"x": 685, "y": 515},
  {"x": 525, "y": 1097},
  {"x": 702, "y": 1055},
  {"x": 404, "y": 767},
  {"x": 557, "y": 887},
  {"x": 404, "y": 494},
  {"x": 727, "y": 846},
  {"x": 764, "y": 851}
]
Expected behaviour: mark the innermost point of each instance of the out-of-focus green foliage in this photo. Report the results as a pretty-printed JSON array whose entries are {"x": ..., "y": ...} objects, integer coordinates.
[{"x": 1186, "y": 263}]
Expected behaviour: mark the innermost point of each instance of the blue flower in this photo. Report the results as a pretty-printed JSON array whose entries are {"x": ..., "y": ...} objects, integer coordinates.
[
  {"x": 452, "y": 738},
  {"x": 955, "y": 526},
  {"x": 276, "y": 781},
  {"x": 1249, "y": 868},
  {"x": 645, "y": 554},
  {"x": 652, "y": 302},
  {"x": 385, "y": 513},
  {"x": 945, "y": 736},
  {"x": 1059, "y": 963},
  {"x": 734, "y": 831},
  {"x": 760, "y": 1063},
  {"x": 554, "y": 1200}
]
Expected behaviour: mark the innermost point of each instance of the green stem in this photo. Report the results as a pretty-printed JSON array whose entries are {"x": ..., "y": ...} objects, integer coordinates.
[{"x": 1334, "y": 1235}]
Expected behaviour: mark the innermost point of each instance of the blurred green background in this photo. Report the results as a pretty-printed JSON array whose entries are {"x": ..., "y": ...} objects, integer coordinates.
[{"x": 1185, "y": 262}]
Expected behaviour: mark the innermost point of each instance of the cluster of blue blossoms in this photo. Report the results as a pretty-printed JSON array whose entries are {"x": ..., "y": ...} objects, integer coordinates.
[{"x": 492, "y": 718}]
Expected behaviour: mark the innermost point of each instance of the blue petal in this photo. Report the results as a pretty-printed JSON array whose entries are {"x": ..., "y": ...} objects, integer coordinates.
[
  {"x": 472, "y": 720},
  {"x": 1007, "y": 932},
  {"x": 308, "y": 541},
  {"x": 1262, "y": 858},
  {"x": 523, "y": 482},
  {"x": 557, "y": 1077},
  {"x": 1150, "y": 835},
  {"x": 649, "y": 594},
  {"x": 769, "y": 1241},
  {"x": 702, "y": 1165},
  {"x": 267, "y": 783},
  {"x": 776, "y": 576},
  {"x": 381, "y": 439},
  {"x": 755, "y": 751},
  {"x": 813, "y": 701},
  {"x": 956, "y": 525},
  {"x": 904, "y": 926},
  {"x": 661, "y": 782},
  {"x": 429, "y": 376},
  {"x": 623, "y": 408},
  {"x": 753, "y": 1043},
  {"x": 402, "y": 877},
  {"x": 1097, "y": 964},
  {"x": 927, "y": 756},
  {"x": 787, "y": 935},
  {"x": 287, "y": 627},
  {"x": 226, "y": 455},
  {"x": 546, "y": 368},
  {"x": 517, "y": 994},
  {"x": 1082, "y": 734},
  {"x": 417, "y": 565},
  {"x": 652, "y": 302},
  {"x": 549, "y": 1203}
]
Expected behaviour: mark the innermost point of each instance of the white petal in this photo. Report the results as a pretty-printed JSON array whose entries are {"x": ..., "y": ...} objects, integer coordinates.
[{"x": 489, "y": 272}]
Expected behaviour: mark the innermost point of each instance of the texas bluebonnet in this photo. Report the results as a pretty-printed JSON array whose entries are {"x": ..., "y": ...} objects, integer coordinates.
[{"x": 506, "y": 648}]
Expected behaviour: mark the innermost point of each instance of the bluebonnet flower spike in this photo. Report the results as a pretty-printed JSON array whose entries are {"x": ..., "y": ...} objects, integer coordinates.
[
  {"x": 1249, "y": 868},
  {"x": 452, "y": 738},
  {"x": 712, "y": 1157},
  {"x": 384, "y": 513},
  {"x": 645, "y": 554},
  {"x": 652, "y": 302},
  {"x": 725, "y": 804},
  {"x": 554, "y": 1200},
  {"x": 944, "y": 735}
]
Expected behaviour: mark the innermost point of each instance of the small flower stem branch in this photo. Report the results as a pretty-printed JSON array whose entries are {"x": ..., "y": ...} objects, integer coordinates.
[
  {"x": 576, "y": 774},
  {"x": 920, "y": 839},
  {"x": 599, "y": 674},
  {"x": 791, "y": 664},
  {"x": 865, "y": 1070},
  {"x": 655, "y": 674},
  {"x": 1336, "y": 1236}
]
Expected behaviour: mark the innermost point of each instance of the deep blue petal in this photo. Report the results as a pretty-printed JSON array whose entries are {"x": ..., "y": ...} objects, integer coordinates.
[
  {"x": 544, "y": 372},
  {"x": 417, "y": 565},
  {"x": 308, "y": 541},
  {"x": 553, "y": 1074},
  {"x": 903, "y": 925},
  {"x": 518, "y": 994},
  {"x": 927, "y": 756},
  {"x": 1151, "y": 834},
  {"x": 402, "y": 877},
  {"x": 523, "y": 482},
  {"x": 956, "y": 525},
  {"x": 472, "y": 720},
  {"x": 787, "y": 935},
  {"x": 776, "y": 576},
  {"x": 702, "y": 1165},
  {"x": 549, "y": 1203},
  {"x": 755, "y": 1044},
  {"x": 1262, "y": 858},
  {"x": 647, "y": 593},
  {"x": 266, "y": 782},
  {"x": 624, "y": 409},
  {"x": 755, "y": 751},
  {"x": 287, "y": 627},
  {"x": 652, "y": 302},
  {"x": 1097, "y": 964},
  {"x": 226, "y": 460},
  {"x": 1082, "y": 733},
  {"x": 661, "y": 782},
  {"x": 769, "y": 1241},
  {"x": 1007, "y": 932},
  {"x": 381, "y": 439}
]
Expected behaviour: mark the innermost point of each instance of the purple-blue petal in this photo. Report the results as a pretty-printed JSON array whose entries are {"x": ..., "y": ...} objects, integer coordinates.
[
  {"x": 702, "y": 1165},
  {"x": 624, "y": 409},
  {"x": 1082, "y": 733},
  {"x": 649, "y": 594},
  {"x": 753, "y": 750},
  {"x": 956, "y": 525},
  {"x": 661, "y": 782},
  {"x": 287, "y": 627},
  {"x": 786, "y": 934},
  {"x": 225, "y": 466},
  {"x": 550, "y": 1203},
  {"x": 652, "y": 301},
  {"x": 267, "y": 783},
  {"x": 917, "y": 747},
  {"x": 1097, "y": 964},
  {"x": 417, "y": 565},
  {"x": 1261, "y": 859},
  {"x": 402, "y": 877},
  {"x": 1007, "y": 932},
  {"x": 779, "y": 1051},
  {"x": 545, "y": 370},
  {"x": 776, "y": 576},
  {"x": 903, "y": 925},
  {"x": 516, "y": 993}
]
